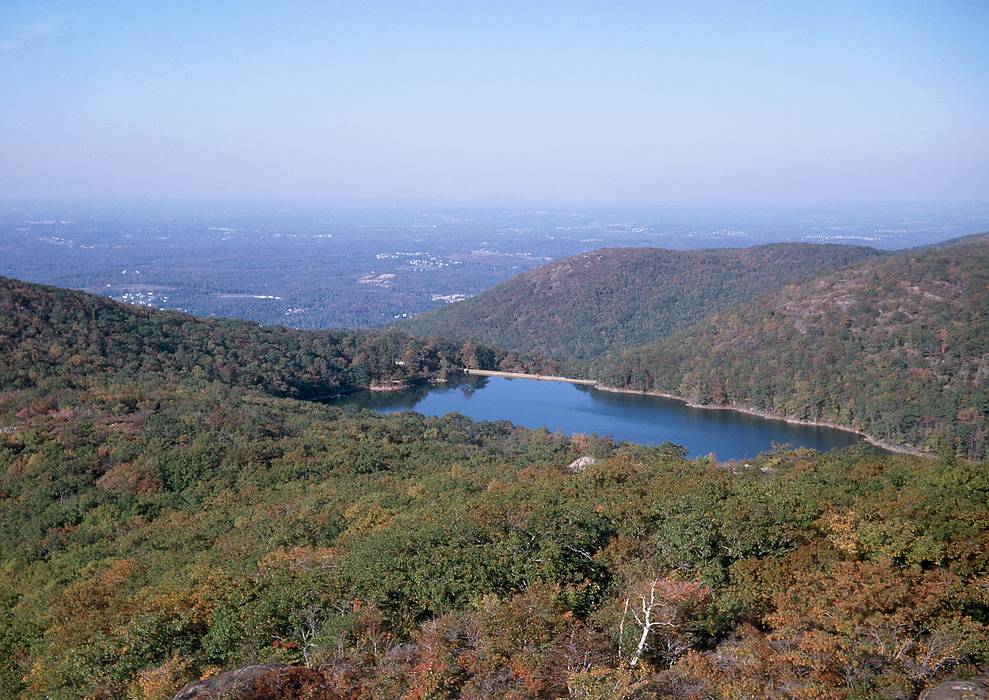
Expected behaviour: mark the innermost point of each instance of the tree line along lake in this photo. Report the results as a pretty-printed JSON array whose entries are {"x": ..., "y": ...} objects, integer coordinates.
[{"x": 579, "y": 408}]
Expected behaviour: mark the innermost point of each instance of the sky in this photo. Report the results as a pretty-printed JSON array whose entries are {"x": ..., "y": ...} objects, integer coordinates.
[{"x": 496, "y": 102}]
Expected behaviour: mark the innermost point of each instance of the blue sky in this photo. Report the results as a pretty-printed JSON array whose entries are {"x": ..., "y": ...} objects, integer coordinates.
[{"x": 496, "y": 102}]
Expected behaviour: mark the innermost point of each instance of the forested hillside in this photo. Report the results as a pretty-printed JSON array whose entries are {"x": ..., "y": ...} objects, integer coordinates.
[
  {"x": 46, "y": 333},
  {"x": 897, "y": 347},
  {"x": 153, "y": 533},
  {"x": 617, "y": 298}
]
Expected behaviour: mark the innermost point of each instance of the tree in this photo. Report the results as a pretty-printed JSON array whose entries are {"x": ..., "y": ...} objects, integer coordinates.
[{"x": 664, "y": 609}]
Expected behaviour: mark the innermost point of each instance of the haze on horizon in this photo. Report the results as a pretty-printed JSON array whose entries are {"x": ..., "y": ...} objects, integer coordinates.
[{"x": 476, "y": 103}]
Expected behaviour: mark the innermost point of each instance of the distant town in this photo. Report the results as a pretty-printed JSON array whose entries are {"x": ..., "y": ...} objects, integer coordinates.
[{"x": 318, "y": 267}]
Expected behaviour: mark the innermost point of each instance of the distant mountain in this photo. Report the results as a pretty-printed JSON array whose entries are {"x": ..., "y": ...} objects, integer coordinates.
[
  {"x": 45, "y": 332},
  {"x": 615, "y": 298},
  {"x": 897, "y": 347}
]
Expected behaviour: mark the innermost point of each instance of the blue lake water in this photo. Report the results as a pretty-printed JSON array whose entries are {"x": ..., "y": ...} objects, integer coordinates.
[{"x": 572, "y": 408}]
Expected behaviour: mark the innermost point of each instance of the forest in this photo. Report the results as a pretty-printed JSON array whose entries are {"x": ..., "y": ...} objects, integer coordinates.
[{"x": 163, "y": 520}]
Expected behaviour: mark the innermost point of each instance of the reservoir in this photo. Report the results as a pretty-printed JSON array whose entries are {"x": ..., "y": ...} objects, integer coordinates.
[{"x": 572, "y": 408}]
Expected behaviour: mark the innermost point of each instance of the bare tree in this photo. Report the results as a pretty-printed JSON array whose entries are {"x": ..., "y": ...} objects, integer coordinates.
[{"x": 664, "y": 609}]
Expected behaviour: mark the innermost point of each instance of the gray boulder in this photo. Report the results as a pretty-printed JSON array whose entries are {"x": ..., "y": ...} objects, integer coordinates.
[
  {"x": 973, "y": 689},
  {"x": 259, "y": 682},
  {"x": 580, "y": 464}
]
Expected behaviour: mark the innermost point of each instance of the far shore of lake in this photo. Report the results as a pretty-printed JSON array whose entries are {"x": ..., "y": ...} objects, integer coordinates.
[{"x": 901, "y": 449}]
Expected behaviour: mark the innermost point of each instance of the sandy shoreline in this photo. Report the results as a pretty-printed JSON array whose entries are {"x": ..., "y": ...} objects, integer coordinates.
[
  {"x": 520, "y": 375},
  {"x": 901, "y": 449}
]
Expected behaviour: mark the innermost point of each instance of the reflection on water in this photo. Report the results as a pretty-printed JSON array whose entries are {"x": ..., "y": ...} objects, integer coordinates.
[
  {"x": 574, "y": 408},
  {"x": 408, "y": 399}
]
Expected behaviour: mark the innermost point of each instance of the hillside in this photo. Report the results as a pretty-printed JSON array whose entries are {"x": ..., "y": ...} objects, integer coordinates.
[
  {"x": 897, "y": 347},
  {"x": 584, "y": 306},
  {"x": 45, "y": 332},
  {"x": 164, "y": 520}
]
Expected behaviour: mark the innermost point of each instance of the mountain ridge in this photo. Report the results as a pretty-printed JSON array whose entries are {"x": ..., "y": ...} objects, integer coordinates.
[{"x": 579, "y": 307}]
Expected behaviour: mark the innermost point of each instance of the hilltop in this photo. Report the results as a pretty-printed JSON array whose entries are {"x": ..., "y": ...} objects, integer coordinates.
[
  {"x": 615, "y": 298},
  {"x": 47, "y": 333}
]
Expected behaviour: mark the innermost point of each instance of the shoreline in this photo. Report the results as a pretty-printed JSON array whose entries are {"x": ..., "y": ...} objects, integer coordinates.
[
  {"x": 522, "y": 375},
  {"x": 870, "y": 439}
]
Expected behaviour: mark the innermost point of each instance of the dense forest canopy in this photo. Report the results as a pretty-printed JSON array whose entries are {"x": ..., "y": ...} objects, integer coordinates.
[
  {"x": 152, "y": 533},
  {"x": 616, "y": 298}
]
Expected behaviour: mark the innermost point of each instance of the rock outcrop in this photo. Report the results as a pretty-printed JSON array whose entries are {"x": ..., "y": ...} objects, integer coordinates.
[
  {"x": 260, "y": 682},
  {"x": 580, "y": 464},
  {"x": 972, "y": 689}
]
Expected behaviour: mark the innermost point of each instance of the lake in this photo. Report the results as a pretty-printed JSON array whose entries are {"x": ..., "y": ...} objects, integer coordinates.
[{"x": 572, "y": 408}]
